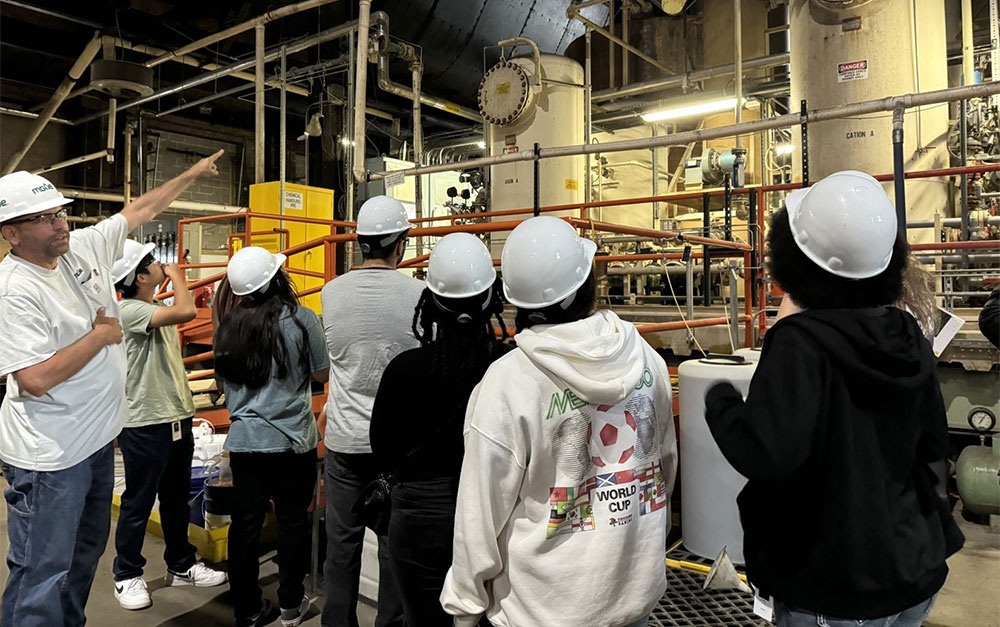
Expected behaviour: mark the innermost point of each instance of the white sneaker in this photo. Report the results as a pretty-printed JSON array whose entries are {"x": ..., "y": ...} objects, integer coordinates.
[
  {"x": 132, "y": 594},
  {"x": 199, "y": 576},
  {"x": 294, "y": 617}
]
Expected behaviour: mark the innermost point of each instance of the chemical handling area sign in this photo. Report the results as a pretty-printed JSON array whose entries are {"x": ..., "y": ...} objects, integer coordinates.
[{"x": 852, "y": 71}]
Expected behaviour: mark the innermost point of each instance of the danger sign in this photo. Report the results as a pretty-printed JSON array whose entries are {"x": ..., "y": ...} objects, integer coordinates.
[{"x": 852, "y": 71}]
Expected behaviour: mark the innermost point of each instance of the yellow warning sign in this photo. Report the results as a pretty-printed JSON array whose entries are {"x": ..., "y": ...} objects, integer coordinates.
[
  {"x": 571, "y": 184},
  {"x": 503, "y": 88}
]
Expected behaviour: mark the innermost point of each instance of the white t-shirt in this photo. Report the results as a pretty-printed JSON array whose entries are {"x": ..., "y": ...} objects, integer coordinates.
[{"x": 43, "y": 311}]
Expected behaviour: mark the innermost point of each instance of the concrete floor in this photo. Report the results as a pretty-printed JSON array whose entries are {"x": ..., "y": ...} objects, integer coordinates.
[{"x": 970, "y": 598}]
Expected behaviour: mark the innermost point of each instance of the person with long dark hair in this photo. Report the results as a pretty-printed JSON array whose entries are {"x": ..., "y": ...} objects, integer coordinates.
[
  {"x": 418, "y": 415},
  {"x": 843, "y": 435},
  {"x": 570, "y": 456},
  {"x": 268, "y": 351}
]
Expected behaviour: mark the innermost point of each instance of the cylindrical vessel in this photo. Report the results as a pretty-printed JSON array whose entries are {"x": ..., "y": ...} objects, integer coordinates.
[
  {"x": 978, "y": 483},
  {"x": 710, "y": 518},
  {"x": 843, "y": 53},
  {"x": 749, "y": 354}
]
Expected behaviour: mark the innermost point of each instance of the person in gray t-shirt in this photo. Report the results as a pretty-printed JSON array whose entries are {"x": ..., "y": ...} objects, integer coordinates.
[{"x": 367, "y": 317}]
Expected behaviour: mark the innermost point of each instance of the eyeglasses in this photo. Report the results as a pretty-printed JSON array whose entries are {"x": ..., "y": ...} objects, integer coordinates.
[{"x": 45, "y": 218}]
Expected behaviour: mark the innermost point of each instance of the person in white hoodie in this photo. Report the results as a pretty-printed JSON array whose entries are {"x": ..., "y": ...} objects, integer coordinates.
[{"x": 570, "y": 456}]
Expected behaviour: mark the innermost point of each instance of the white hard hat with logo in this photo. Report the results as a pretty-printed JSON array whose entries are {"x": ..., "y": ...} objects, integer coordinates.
[
  {"x": 382, "y": 216},
  {"x": 544, "y": 261},
  {"x": 845, "y": 223},
  {"x": 252, "y": 268},
  {"x": 23, "y": 193},
  {"x": 132, "y": 253},
  {"x": 460, "y": 266}
]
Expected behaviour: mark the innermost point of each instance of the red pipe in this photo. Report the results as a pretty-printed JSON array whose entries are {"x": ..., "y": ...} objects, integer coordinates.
[
  {"x": 974, "y": 245},
  {"x": 690, "y": 324},
  {"x": 654, "y": 233},
  {"x": 199, "y": 357}
]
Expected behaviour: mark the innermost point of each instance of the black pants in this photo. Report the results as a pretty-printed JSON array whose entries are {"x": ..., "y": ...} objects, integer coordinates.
[
  {"x": 155, "y": 465},
  {"x": 289, "y": 479},
  {"x": 346, "y": 475}
]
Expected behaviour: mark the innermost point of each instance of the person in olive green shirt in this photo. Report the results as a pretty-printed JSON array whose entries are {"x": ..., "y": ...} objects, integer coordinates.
[{"x": 156, "y": 444}]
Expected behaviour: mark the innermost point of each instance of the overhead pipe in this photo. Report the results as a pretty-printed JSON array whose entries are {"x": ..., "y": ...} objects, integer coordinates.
[
  {"x": 258, "y": 104},
  {"x": 386, "y": 84},
  {"x": 228, "y": 70},
  {"x": 681, "y": 80},
  {"x": 100, "y": 154},
  {"x": 738, "y": 63},
  {"x": 360, "y": 89},
  {"x": 754, "y": 126},
  {"x": 573, "y": 13},
  {"x": 184, "y": 205},
  {"x": 17, "y": 113},
  {"x": 256, "y": 22},
  {"x": 536, "y": 54},
  {"x": 75, "y": 72}
]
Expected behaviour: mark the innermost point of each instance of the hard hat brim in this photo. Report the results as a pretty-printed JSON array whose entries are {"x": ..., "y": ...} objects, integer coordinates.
[{"x": 146, "y": 249}]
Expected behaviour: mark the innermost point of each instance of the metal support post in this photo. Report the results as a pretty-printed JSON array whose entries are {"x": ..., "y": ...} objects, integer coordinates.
[
  {"x": 964, "y": 153},
  {"x": 734, "y": 309},
  {"x": 282, "y": 134},
  {"x": 689, "y": 283},
  {"x": 538, "y": 205},
  {"x": 587, "y": 115},
  {"x": 752, "y": 227},
  {"x": 706, "y": 258},
  {"x": 728, "y": 209},
  {"x": 805, "y": 143},
  {"x": 898, "y": 169},
  {"x": 259, "y": 105}
]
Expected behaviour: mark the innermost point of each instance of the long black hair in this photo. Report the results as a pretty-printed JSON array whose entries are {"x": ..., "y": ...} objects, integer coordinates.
[
  {"x": 249, "y": 341},
  {"x": 581, "y": 307},
  {"x": 813, "y": 287},
  {"x": 459, "y": 334}
]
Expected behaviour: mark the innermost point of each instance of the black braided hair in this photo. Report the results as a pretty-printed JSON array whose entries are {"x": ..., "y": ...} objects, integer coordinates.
[{"x": 459, "y": 333}]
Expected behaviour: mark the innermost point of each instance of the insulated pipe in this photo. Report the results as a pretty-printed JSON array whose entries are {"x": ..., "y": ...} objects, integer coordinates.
[
  {"x": 361, "y": 90},
  {"x": 75, "y": 160},
  {"x": 679, "y": 80},
  {"x": 536, "y": 55},
  {"x": 256, "y": 22},
  {"x": 573, "y": 13},
  {"x": 738, "y": 64},
  {"x": 755, "y": 126},
  {"x": 112, "y": 103},
  {"x": 587, "y": 115},
  {"x": 417, "y": 69},
  {"x": 127, "y": 187},
  {"x": 968, "y": 71},
  {"x": 258, "y": 105},
  {"x": 17, "y": 113},
  {"x": 82, "y": 63},
  {"x": 185, "y": 205}
]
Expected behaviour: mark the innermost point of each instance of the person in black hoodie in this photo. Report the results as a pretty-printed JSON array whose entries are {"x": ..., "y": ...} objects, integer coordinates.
[{"x": 842, "y": 436}]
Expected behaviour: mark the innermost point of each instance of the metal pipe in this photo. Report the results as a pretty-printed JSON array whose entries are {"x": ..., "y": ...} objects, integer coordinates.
[
  {"x": 899, "y": 168},
  {"x": 679, "y": 80},
  {"x": 574, "y": 14},
  {"x": 754, "y": 126},
  {"x": 656, "y": 269},
  {"x": 79, "y": 66},
  {"x": 738, "y": 63},
  {"x": 587, "y": 114},
  {"x": 112, "y": 102},
  {"x": 536, "y": 55},
  {"x": 689, "y": 286},
  {"x": 51, "y": 13},
  {"x": 17, "y": 113},
  {"x": 256, "y": 22},
  {"x": 127, "y": 187},
  {"x": 100, "y": 154},
  {"x": 258, "y": 105},
  {"x": 626, "y": 9},
  {"x": 361, "y": 90},
  {"x": 417, "y": 70},
  {"x": 964, "y": 154},
  {"x": 611, "y": 47},
  {"x": 968, "y": 70},
  {"x": 183, "y": 205},
  {"x": 282, "y": 131},
  {"x": 200, "y": 101},
  {"x": 734, "y": 309}
]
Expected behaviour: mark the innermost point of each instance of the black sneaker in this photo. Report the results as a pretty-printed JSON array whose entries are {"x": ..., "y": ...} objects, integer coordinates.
[
  {"x": 293, "y": 617},
  {"x": 265, "y": 616}
]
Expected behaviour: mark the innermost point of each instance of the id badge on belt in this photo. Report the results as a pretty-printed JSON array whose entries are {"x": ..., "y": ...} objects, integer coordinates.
[{"x": 175, "y": 431}]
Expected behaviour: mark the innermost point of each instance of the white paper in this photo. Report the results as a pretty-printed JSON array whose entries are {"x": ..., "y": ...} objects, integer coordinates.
[
  {"x": 947, "y": 325},
  {"x": 394, "y": 179}
]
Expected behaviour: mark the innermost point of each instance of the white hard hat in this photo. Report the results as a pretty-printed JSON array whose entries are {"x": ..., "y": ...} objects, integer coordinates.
[
  {"x": 846, "y": 223},
  {"x": 252, "y": 268},
  {"x": 382, "y": 215},
  {"x": 132, "y": 253},
  {"x": 23, "y": 193},
  {"x": 544, "y": 261},
  {"x": 460, "y": 266}
]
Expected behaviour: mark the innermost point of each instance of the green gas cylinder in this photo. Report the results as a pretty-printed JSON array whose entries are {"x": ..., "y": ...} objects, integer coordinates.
[{"x": 978, "y": 477}]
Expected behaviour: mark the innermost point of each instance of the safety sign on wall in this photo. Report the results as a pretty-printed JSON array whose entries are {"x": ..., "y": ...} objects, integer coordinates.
[
  {"x": 852, "y": 71},
  {"x": 293, "y": 200}
]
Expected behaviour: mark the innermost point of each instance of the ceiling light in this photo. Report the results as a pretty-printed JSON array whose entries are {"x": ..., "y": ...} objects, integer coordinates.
[
  {"x": 784, "y": 149},
  {"x": 686, "y": 111}
]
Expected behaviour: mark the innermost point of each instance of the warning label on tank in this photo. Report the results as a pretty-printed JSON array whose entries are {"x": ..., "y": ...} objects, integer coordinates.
[{"x": 852, "y": 71}]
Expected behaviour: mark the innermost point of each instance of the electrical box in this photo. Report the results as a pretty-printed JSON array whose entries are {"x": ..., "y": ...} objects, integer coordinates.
[{"x": 300, "y": 201}]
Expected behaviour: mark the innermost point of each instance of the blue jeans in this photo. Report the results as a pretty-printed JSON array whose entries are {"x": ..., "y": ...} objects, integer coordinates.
[
  {"x": 786, "y": 616},
  {"x": 58, "y": 524}
]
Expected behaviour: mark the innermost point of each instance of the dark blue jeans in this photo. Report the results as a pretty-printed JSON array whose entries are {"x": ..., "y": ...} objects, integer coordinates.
[
  {"x": 58, "y": 524},
  {"x": 346, "y": 475},
  {"x": 154, "y": 465},
  {"x": 786, "y": 616}
]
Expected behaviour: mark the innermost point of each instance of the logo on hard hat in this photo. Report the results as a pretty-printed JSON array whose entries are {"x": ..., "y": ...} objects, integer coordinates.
[
  {"x": 42, "y": 188},
  {"x": 3, "y": 203}
]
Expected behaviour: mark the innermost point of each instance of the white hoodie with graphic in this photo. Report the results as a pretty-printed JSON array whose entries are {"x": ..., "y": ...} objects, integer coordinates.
[{"x": 563, "y": 504}]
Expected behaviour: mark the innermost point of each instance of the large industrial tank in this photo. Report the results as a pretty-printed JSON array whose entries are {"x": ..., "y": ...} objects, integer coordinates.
[
  {"x": 710, "y": 518},
  {"x": 844, "y": 52},
  {"x": 522, "y": 113}
]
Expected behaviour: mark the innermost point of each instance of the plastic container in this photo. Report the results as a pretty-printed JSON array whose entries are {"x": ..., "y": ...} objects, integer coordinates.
[{"x": 219, "y": 495}]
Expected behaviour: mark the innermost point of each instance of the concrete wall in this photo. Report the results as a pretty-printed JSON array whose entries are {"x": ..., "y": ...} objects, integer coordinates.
[
  {"x": 49, "y": 148},
  {"x": 173, "y": 153}
]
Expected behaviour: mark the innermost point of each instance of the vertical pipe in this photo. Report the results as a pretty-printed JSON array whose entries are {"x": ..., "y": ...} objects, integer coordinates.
[
  {"x": 759, "y": 250},
  {"x": 282, "y": 133},
  {"x": 734, "y": 310},
  {"x": 537, "y": 182},
  {"x": 963, "y": 126},
  {"x": 306, "y": 141},
  {"x": 361, "y": 90},
  {"x": 587, "y": 116},
  {"x": 258, "y": 105},
  {"x": 738, "y": 63},
  {"x": 804, "y": 154},
  {"x": 706, "y": 257},
  {"x": 128, "y": 165},
  {"x": 626, "y": 5},
  {"x": 689, "y": 285},
  {"x": 655, "y": 154},
  {"x": 611, "y": 46},
  {"x": 750, "y": 265},
  {"x": 968, "y": 71},
  {"x": 112, "y": 118},
  {"x": 349, "y": 184},
  {"x": 418, "y": 145},
  {"x": 141, "y": 186},
  {"x": 747, "y": 298},
  {"x": 898, "y": 168}
]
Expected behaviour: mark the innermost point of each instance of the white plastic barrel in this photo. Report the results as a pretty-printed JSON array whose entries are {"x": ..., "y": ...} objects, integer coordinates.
[
  {"x": 709, "y": 485},
  {"x": 749, "y": 354}
]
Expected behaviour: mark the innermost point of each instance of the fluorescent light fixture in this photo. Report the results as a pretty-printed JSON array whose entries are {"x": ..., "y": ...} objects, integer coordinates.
[
  {"x": 784, "y": 149},
  {"x": 481, "y": 145},
  {"x": 686, "y": 111}
]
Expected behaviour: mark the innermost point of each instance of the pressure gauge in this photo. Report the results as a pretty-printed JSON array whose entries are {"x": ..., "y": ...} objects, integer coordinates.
[{"x": 982, "y": 419}]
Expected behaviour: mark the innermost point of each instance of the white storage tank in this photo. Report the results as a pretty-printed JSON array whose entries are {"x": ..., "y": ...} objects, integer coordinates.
[
  {"x": 521, "y": 114},
  {"x": 749, "y": 354},
  {"x": 844, "y": 52},
  {"x": 710, "y": 518}
]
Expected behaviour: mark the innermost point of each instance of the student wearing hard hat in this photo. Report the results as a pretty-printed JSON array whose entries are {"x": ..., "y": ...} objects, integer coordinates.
[
  {"x": 268, "y": 351},
  {"x": 65, "y": 398},
  {"x": 570, "y": 455},
  {"x": 367, "y": 314},
  {"x": 156, "y": 444},
  {"x": 843, "y": 434},
  {"x": 417, "y": 420}
]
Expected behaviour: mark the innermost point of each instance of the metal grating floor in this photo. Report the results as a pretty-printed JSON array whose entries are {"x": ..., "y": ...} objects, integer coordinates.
[{"x": 686, "y": 605}]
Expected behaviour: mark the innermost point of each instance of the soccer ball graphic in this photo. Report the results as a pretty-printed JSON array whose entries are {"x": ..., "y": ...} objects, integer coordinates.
[{"x": 611, "y": 436}]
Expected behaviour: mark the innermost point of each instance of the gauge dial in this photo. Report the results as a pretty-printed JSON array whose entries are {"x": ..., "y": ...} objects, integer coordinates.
[{"x": 982, "y": 419}]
